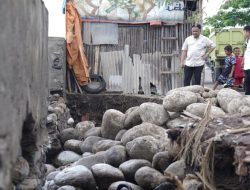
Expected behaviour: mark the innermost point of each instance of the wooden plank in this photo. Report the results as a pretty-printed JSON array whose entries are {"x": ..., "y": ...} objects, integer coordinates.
[
  {"x": 161, "y": 68},
  {"x": 169, "y": 38},
  {"x": 97, "y": 58},
  {"x": 69, "y": 80},
  {"x": 169, "y": 23},
  {"x": 169, "y": 72},
  {"x": 173, "y": 70},
  {"x": 76, "y": 82},
  {"x": 167, "y": 55},
  {"x": 191, "y": 115}
]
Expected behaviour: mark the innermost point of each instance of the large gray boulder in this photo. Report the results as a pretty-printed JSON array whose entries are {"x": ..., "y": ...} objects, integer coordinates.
[
  {"x": 167, "y": 186},
  {"x": 68, "y": 187},
  {"x": 96, "y": 131},
  {"x": 54, "y": 146},
  {"x": 248, "y": 98},
  {"x": 145, "y": 129},
  {"x": 51, "y": 118},
  {"x": 193, "y": 88},
  {"x": 174, "y": 115},
  {"x": 178, "y": 101},
  {"x": 244, "y": 111},
  {"x": 50, "y": 185},
  {"x": 49, "y": 168},
  {"x": 77, "y": 176},
  {"x": 115, "y": 185},
  {"x": 162, "y": 160},
  {"x": 153, "y": 113},
  {"x": 235, "y": 104},
  {"x": 199, "y": 109},
  {"x": 29, "y": 183},
  {"x": 149, "y": 178},
  {"x": 82, "y": 127},
  {"x": 116, "y": 155},
  {"x": 200, "y": 99},
  {"x": 225, "y": 96},
  {"x": 65, "y": 158},
  {"x": 143, "y": 148},
  {"x": 192, "y": 182},
  {"x": 205, "y": 95},
  {"x": 105, "y": 175},
  {"x": 112, "y": 123},
  {"x": 132, "y": 117},
  {"x": 73, "y": 145},
  {"x": 130, "y": 167},
  {"x": 21, "y": 170},
  {"x": 91, "y": 160},
  {"x": 177, "y": 169},
  {"x": 88, "y": 143},
  {"x": 180, "y": 123},
  {"x": 214, "y": 102},
  {"x": 52, "y": 175},
  {"x": 86, "y": 154},
  {"x": 212, "y": 94},
  {"x": 120, "y": 135},
  {"x": 104, "y": 145},
  {"x": 68, "y": 134}
]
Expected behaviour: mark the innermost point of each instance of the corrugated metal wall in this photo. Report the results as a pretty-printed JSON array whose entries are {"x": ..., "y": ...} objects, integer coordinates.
[{"x": 139, "y": 54}]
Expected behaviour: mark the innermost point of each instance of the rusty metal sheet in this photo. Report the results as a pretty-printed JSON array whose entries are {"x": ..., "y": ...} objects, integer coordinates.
[
  {"x": 100, "y": 33},
  {"x": 111, "y": 65}
]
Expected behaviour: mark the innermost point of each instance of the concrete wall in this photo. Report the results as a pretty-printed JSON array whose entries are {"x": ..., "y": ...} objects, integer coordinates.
[
  {"x": 23, "y": 84},
  {"x": 57, "y": 64}
]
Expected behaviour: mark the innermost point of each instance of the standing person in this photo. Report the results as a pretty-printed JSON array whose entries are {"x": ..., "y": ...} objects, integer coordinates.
[
  {"x": 238, "y": 72},
  {"x": 227, "y": 74},
  {"x": 247, "y": 61},
  {"x": 195, "y": 51}
]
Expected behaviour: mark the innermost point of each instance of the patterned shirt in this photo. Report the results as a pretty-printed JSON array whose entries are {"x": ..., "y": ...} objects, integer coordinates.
[
  {"x": 229, "y": 62},
  {"x": 224, "y": 76}
]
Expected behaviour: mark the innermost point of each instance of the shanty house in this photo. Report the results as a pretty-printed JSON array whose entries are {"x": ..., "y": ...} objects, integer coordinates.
[{"x": 135, "y": 44}]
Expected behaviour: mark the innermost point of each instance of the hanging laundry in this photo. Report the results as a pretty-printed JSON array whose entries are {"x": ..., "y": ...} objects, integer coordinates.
[{"x": 76, "y": 57}]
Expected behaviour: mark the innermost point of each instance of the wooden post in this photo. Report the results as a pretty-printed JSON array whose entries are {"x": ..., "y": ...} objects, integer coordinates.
[{"x": 97, "y": 59}]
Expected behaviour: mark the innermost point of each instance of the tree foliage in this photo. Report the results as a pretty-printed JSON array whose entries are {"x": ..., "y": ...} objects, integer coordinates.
[{"x": 231, "y": 13}]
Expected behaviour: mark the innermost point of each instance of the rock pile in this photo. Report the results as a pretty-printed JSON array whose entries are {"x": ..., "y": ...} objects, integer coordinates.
[
  {"x": 58, "y": 119},
  {"x": 133, "y": 148}
]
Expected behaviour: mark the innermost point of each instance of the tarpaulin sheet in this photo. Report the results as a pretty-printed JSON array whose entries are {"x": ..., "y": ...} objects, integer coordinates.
[
  {"x": 142, "y": 11},
  {"x": 76, "y": 57}
]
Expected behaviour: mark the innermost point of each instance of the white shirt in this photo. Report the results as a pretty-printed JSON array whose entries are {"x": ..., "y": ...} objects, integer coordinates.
[
  {"x": 247, "y": 57},
  {"x": 196, "y": 48}
]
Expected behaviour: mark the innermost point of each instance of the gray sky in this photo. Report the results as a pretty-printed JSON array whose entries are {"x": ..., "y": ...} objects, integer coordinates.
[
  {"x": 211, "y": 7},
  {"x": 56, "y": 18}
]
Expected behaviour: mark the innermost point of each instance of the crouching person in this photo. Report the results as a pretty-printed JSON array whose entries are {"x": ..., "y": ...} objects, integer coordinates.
[{"x": 226, "y": 77}]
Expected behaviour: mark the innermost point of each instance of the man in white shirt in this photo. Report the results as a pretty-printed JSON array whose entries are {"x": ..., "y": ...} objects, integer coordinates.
[
  {"x": 195, "y": 51},
  {"x": 247, "y": 61}
]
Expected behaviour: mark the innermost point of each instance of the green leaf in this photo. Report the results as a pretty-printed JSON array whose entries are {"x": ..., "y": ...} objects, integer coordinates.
[{"x": 231, "y": 13}]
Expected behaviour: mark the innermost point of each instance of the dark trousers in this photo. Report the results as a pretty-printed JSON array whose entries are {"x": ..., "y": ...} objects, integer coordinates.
[
  {"x": 247, "y": 82},
  {"x": 189, "y": 72},
  {"x": 218, "y": 71}
]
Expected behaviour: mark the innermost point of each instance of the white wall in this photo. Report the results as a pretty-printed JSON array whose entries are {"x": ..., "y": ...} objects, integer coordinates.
[{"x": 57, "y": 21}]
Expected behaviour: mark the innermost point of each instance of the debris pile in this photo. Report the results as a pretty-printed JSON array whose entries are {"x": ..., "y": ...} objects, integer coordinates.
[{"x": 178, "y": 145}]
